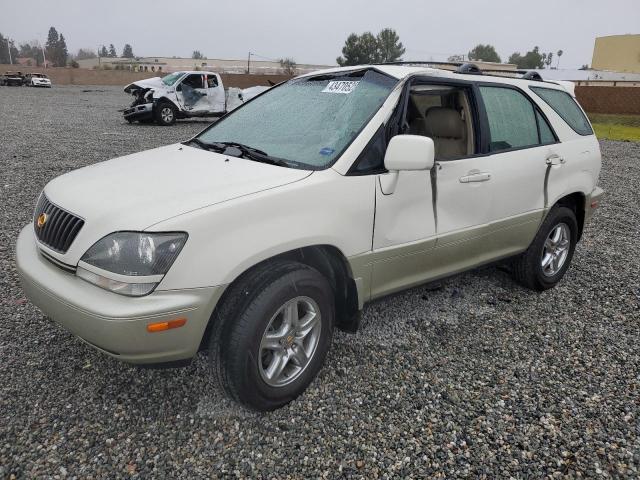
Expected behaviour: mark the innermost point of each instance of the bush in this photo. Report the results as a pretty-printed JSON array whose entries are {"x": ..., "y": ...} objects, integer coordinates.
[{"x": 74, "y": 64}]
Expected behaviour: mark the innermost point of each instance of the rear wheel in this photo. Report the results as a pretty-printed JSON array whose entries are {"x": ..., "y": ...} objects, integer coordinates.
[
  {"x": 272, "y": 333},
  {"x": 165, "y": 113},
  {"x": 548, "y": 257}
]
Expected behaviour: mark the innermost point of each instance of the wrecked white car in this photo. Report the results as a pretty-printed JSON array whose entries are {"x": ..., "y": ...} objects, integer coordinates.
[{"x": 183, "y": 95}]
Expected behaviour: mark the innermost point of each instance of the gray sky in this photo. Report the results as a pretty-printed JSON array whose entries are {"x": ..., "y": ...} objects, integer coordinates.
[{"x": 314, "y": 32}]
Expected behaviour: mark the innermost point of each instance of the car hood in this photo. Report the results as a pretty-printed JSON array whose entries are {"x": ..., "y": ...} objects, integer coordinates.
[
  {"x": 153, "y": 82},
  {"x": 137, "y": 191}
]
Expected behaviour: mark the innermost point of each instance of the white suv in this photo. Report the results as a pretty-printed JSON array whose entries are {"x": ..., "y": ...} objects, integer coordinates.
[{"x": 276, "y": 224}]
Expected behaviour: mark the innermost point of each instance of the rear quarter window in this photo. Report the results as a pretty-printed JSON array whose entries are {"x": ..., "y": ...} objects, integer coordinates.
[{"x": 565, "y": 106}]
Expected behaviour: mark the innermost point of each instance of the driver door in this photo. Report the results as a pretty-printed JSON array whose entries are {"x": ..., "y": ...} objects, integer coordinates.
[{"x": 192, "y": 94}]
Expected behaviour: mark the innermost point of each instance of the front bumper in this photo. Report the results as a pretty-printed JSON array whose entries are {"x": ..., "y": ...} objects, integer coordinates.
[
  {"x": 139, "y": 112},
  {"x": 115, "y": 324}
]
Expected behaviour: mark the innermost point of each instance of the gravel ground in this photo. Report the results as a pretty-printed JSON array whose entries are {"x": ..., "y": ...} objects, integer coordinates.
[{"x": 476, "y": 377}]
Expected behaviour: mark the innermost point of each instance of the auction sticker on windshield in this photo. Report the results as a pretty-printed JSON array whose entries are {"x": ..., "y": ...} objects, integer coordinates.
[{"x": 341, "y": 86}]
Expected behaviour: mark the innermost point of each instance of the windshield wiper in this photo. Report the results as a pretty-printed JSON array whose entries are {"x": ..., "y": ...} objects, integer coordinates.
[
  {"x": 199, "y": 143},
  {"x": 236, "y": 149},
  {"x": 251, "y": 153}
]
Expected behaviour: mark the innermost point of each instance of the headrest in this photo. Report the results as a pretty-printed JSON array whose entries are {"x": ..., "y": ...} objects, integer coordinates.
[{"x": 444, "y": 122}]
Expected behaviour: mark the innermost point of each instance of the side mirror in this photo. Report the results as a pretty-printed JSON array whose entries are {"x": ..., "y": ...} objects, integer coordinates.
[
  {"x": 409, "y": 152},
  {"x": 406, "y": 152}
]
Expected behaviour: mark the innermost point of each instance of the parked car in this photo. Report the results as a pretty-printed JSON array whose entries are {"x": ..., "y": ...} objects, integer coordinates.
[
  {"x": 13, "y": 79},
  {"x": 37, "y": 80},
  {"x": 183, "y": 95},
  {"x": 276, "y": 224}
]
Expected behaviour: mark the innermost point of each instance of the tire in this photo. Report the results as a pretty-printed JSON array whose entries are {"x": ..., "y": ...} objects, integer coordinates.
[
  {"x": 165, "y": 113},
  {"x": 247, "y": 335},
  {"x": 548, "y": 257}
]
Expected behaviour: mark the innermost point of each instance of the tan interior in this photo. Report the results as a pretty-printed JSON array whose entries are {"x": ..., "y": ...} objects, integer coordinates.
[{"x": 442, "y": 113}]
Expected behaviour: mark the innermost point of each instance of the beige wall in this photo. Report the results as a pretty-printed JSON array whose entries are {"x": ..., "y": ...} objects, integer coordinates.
[
  {"x": 619, "y": 53},
  {"x": 83, "y": 76},
  {"x": 170, "y": 64}
]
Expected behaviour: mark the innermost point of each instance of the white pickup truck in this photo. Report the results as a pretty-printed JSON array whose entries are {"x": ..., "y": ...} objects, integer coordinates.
[{"x": 183, "y": 95}]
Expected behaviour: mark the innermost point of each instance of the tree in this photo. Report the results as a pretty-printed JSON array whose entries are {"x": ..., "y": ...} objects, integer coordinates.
[
  {"x": 515, "y": 58},
  {"x": 62, "y": 54},
  {"x": 359, "y": 49},
  {"x": 85, "y": 53},
  {"x": 288, "y": 66},
  {"x": 127, "y": 51},
  {"x": 560, "y": 52},
  {"x": 196, "y": 55},
  {"x": 366, "y": 48},
  {"x": 530, "y": 60},
  {"x": 31, "y": 50},
  {"x": 112, "y": 51},
  {"x": 52, "y": 45},
  {"x": 390, "y": 48},
  {"x": 484, "y": 53},
  {"x": 56, "y": 47},
  {"x": 103, "y": 52},
  {"x": 7, "y": 45},
  {"x": 548, "y": 60}
]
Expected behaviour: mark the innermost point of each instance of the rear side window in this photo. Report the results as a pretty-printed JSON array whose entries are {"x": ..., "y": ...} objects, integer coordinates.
[
  {"x": 546, "y": 134},
  {"x": 565, "y": 106},
  {"x": 512, "y": 118},
  {"x": 212, "y": 81}
]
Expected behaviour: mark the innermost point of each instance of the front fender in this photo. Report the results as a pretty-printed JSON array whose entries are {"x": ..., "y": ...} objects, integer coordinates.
[
  {"x": 227, "y": 239},
  {"x": 164, "y": 98}
]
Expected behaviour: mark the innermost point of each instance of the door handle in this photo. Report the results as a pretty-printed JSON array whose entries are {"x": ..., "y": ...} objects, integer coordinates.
[
  {"x": 555, "y": 159},
  {"x": 476, "y": 177}
]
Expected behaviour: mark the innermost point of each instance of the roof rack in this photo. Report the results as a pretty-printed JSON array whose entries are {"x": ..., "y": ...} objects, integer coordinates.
[
  {"x": 421, "y": 62},
  {"x": 469, "y": 68}
]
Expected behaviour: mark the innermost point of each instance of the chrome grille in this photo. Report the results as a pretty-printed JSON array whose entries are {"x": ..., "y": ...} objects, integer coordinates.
[{"x": 60, "y": 228}]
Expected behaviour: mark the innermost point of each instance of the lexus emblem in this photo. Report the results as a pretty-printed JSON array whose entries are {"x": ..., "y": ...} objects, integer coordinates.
[{"x": 42, "y": 219}]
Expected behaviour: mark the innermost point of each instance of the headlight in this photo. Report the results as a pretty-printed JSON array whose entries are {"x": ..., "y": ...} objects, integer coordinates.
[{"x": 130, "y": 263}]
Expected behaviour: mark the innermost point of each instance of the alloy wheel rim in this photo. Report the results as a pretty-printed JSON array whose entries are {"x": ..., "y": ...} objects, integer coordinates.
[
  {"x": 290, "y": 341},
  {"x": 167, "y": 114},
  {"x": 556, "y": 249}
]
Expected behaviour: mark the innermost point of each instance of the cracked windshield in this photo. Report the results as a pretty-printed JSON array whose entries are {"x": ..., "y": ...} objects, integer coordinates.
[{"x": 309, "y": 121}]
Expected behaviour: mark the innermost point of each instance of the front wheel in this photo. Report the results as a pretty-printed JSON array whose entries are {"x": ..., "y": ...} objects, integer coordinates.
[
  {"x": 165, "y": 113},
  {"x": 272, "y": 333},
  {"x": 548, "y": 257}
]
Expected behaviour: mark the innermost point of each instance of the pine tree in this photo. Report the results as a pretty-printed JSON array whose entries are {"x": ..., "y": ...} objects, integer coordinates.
[
  {"x": 112, "y": 51},
  {"x": 127, "y": 51},
  {"x": 367, "y": 48},
  {"x": 103, "y": 52},
  {"x": 389, "y": 45},
  {"x": 486, "y": 53},
  {"x": 62, "y": 52},
  {"x": 52, "y": 45}
]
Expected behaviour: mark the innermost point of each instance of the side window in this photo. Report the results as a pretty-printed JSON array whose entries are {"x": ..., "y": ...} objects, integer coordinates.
[
  {"x": 193, "y": 81},
  {"x": 212, "y": 81},
  {"x": 546, "y": 134},
  {"x": 512, "y": 118},
  {"x": 565, "y": 106}
]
